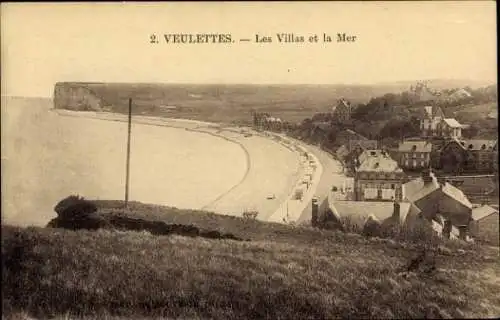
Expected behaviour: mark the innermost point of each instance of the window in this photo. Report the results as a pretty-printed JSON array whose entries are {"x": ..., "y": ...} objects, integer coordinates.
[
  {"x": 422, "y": 163},
  {"x": 393, "y": 186}
]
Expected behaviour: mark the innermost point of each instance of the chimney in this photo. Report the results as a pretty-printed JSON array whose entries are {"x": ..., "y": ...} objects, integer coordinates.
[
  {"x": 427, "y": 176},
  {"x": 442, "y": 181},
  {"x": 462, "y": 233},
  {"x": 397, "y": 210},
  {"x": 447, "y": 229},
  {"x": 314, "y": 212}
]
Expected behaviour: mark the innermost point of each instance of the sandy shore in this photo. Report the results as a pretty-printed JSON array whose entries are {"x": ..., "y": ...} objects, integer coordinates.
[
  {"x": 273, "y": 168},
  {"x": 46, "y": 157},
  {"x": 261, "y": 172}
]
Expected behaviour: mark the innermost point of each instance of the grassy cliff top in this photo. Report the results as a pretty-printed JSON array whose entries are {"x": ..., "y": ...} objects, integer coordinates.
[{"x": 284, "y": 272}]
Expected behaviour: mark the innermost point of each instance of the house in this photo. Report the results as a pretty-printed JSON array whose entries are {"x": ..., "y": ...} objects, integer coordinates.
[
  {"x": 430, "y": 118},
  {"x": 453, "y": 157},
  {"x": 362, "y": 144},
  {"x": 342, "y": 153},
  {"x": 484, "y": 224},
  {"x": 459, "y": 156},
  {"x": 342, "y": 111},
  {"x": 345, "y": 137},
  {"x": 439, "y": 198},
  {"x": 459, "y": 94},
  {"x": 378, "y": 177},
  {"x": 481, "y": 154},
  {"x": 449, "y": 128},
  {"x": 382, "y": 218},
  {"x": 414, "y": 155},
  {"x": 357, "y": 212},
  {"x": 421, "y": 92}
]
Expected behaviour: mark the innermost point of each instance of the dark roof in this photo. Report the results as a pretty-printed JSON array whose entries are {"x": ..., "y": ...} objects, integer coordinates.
[
  {"x": 480, "y": 144},
  {"x": 455, "y": 140}
]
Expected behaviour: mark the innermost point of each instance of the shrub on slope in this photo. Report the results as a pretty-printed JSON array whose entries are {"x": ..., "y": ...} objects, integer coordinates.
[{"x": 76, "y": 213}]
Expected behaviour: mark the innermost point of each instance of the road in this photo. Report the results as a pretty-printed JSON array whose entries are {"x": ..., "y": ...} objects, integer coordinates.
[{"x": 331, "y": 176}]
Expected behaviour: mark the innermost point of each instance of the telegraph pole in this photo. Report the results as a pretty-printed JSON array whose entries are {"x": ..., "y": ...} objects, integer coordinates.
[{"x": 127, "y": 177}]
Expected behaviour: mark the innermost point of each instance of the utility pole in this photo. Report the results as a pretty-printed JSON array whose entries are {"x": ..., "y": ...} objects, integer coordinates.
[{"x": 127, "y": 179}]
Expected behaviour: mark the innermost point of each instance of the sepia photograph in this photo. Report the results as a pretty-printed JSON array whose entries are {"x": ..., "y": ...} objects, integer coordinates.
[{"x": 249, "y": 160}]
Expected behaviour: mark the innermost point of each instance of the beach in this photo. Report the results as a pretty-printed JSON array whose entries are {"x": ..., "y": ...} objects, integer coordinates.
[{"x": 49, "y": 154}]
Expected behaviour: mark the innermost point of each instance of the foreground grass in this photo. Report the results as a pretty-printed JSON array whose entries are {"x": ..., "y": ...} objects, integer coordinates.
[{"x": 58, "y": 273}]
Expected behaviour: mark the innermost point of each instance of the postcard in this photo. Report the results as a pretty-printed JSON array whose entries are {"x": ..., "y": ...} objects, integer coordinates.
[{"x": 249, "y": 160}]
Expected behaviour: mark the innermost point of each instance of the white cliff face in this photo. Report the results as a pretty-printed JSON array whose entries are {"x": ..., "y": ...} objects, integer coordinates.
[{"x": 76, "y": 97}]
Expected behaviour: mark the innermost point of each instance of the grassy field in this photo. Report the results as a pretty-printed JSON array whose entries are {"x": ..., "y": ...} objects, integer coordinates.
[{"x": 284, "y": 272}]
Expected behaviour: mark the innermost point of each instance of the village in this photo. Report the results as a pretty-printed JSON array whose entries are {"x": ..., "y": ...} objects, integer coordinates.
[{"x": 437, "y": 180}]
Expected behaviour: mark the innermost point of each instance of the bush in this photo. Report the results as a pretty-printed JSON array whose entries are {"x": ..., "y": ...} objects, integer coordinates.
[{"x": 74, "y": 206}]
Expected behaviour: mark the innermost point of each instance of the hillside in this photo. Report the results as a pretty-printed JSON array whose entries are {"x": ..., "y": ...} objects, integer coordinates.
[
  {"x": 283, "y": 272},
  {"x": 218, "y": 103}
]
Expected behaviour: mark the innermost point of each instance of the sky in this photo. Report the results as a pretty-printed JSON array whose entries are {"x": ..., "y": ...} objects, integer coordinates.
[{"x": 44, "y": 43}]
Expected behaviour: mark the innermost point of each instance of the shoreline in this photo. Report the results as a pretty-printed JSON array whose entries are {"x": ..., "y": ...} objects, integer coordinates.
[{"x": 227, "y": 133}]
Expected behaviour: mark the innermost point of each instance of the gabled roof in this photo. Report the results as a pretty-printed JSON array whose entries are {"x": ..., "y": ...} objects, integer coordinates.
[
  {"x": 483, "y": 212},
  {"x": 456, "y": 194},
  {"x": 358, "y": 211},
  {"x": 452, "y": 122},
  {"x": 461, "y": 144},
  {"x": 480, "y": 144},
  {"x": 417, "y": 189},
  {"x": 363, "y": 143},
  {"x": 415, "y": 146},
  {"x": 343, "y": 103},
  {"x": 432, "y": 112}
]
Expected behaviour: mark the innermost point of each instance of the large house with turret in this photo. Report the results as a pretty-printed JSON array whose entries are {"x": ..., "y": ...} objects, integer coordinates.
[{"x": 342, "y": 111}]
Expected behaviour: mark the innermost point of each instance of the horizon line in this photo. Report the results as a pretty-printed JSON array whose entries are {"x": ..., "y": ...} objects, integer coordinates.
[{"x": 395, "y": 82}]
